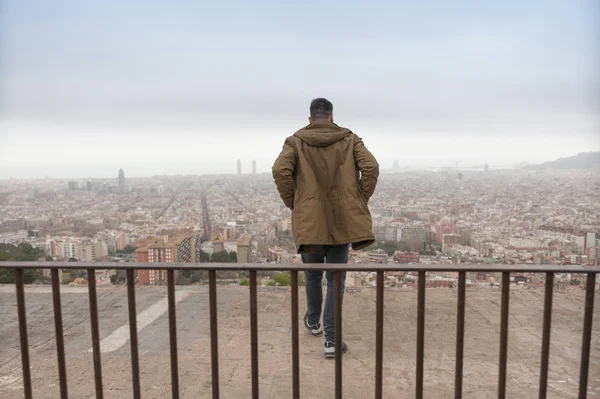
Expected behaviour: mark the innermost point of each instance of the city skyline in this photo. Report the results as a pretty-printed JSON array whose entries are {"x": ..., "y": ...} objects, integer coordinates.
[{"x": 64, "y": 172}]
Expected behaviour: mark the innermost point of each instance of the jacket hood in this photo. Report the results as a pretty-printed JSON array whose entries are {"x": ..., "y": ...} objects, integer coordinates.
[{"x": 322, "y": 133}]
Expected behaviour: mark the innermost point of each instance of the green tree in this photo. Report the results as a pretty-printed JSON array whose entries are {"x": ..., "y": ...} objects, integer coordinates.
[
  {"x": 233, "y": 256},
  {"x": 370, "y": 247},
  {"x": 186, "y": 273},
  {"x": 221, "y": 257},
  {"x": 389, "y": 247},
  {"x": 204, "y": 257},
  {"x": 129, "y": 249},
  {"x": 72, "y": 260},
  {"x": 19, "y": 253},
  {"x": 119, "y": 277},
  {"x": 7, "y": 276}
]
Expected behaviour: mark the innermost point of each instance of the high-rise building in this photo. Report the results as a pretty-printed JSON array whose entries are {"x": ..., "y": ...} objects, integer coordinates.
[
  {"x": 121, "y": 181},
  {"x": 239, "y": 167},
  {"x": 72, "y": 185},
  {"x": 179, "y": 248},
  {"x": 590, "y": 240},
  {"x": 486, "y": 168},
  {"x": 254, "y": 167}
]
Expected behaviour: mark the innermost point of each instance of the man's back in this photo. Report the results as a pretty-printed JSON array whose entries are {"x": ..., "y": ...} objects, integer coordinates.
[{"x": 326, "y": 176}]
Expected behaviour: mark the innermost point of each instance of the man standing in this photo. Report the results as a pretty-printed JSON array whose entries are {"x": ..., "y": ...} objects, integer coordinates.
[{"x": 326, "y": 176}]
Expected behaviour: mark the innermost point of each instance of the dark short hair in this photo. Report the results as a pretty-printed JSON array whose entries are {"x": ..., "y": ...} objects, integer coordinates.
[{"x": 320, "y": 108}]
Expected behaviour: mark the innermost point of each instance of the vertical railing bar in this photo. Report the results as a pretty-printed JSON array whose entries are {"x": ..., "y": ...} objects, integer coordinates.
[
  {"x": 547, "y": 325},
  {"x": 379, "y": 338},
  {"x": 95, "y": 333},
  {"x": 214, "y": 342},
  {"x": 586, "y": 337},
  {"x": 337, "y": 290},
  {"x": 173, "y": 333},
  {"x": 254, "y": 334},
  {"x": 133, "y": 338},
  {"x": 420, "y": 335},
  {"x": 503, "y": 335},
  {"x": 23, "y": 333},
  {"x": 60, "y": 340},
  {"x": 460, "y": 335},
  {"x": 295, "y": 338}
]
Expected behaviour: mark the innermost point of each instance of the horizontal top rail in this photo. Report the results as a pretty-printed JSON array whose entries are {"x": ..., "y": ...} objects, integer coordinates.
[{"x": 364, "y": 267}]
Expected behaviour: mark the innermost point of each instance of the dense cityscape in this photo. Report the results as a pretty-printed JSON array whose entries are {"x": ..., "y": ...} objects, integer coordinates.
[{"x": 513, "y": 216}]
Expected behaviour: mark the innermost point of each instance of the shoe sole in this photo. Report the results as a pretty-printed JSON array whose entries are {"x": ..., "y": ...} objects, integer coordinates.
[
  {"x": 315, "y": 334},
  {"x": 331, "y": 355}
]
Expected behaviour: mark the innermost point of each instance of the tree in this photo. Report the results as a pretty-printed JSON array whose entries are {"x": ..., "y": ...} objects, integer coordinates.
[
  {"x": 389, "y": 247},
  {"x": 371, "y": 247},
  {"x": 118, "y": 277},
  {"x": 72, "y": 260},
  {"x": 49, "y": 258},
  {"x": 20, "y": 253},
  {"x": 221, "y": 257},
  {"x": 186, "y": 273},
  {"x": 7, "y": 276},
  {"x": 411, "y": 244},
  {"x": 233, "y": 256},
  {"x": 129, "y": 249},
  {"x": 204, "y": 257}
]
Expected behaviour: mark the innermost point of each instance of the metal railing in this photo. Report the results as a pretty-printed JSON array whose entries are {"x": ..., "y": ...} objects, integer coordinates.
[{"x": 212, "y": 268}]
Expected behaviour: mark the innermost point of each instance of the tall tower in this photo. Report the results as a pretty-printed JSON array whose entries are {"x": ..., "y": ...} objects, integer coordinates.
[
  {"x": 121, "y": 181},
  {"x": 239, "y": 167},
  {"x": 254, "y": 167}
]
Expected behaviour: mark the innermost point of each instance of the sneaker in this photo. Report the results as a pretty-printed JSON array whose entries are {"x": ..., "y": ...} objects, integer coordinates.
[
  {"x": 315, "y": 329},
  {"x": 330, "y": 349}
]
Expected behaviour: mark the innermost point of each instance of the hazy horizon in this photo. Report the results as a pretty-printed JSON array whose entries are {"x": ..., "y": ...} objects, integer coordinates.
[{"x": 158, "y": 89}]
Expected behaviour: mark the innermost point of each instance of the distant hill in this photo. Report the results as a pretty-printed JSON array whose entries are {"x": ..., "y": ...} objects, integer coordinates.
[{"x": 583, "y": 160}]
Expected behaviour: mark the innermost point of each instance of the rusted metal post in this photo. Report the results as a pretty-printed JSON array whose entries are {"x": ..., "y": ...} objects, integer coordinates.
[
  {"x": 60, "y": 341},
  {"x": 295, "y": 338},
  {"x": 379, "y": 338},
  {"x": 95, "y": 333}
]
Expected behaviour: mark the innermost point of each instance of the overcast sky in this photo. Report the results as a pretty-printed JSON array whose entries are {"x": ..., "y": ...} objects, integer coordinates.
[{"x": 157, "y": 87}]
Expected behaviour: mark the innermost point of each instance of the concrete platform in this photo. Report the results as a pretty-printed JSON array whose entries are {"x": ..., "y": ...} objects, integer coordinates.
[{"x": 317, "y": 373}]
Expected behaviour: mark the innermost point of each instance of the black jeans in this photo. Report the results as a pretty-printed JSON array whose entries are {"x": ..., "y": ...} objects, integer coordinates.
[{"x": 314, "y": 288}]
